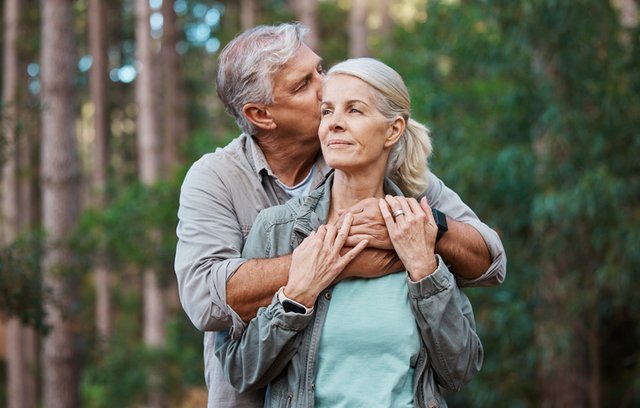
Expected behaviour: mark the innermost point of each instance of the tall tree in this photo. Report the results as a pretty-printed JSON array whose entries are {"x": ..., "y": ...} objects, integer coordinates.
[
  {"x": 20, "y": 339},
  {"x": 98, "y": 91},
  {"x": 149, "y": 169},
  {"x": 248, "y": 13},
  {"x": 306, "y": 12},
  {"x": 358, "y": 31},
  {"x": 175, "y": 117},
  {"x": 60, "y": 178}
]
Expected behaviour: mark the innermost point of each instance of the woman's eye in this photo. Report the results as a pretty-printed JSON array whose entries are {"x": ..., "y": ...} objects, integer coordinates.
[{"x": 325, "y": 112}]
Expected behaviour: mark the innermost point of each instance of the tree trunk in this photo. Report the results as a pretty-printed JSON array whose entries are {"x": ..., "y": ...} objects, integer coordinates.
[
  {"x": 306, "y": 12},
  {"x": 20, "y": 356},
  {"x": 149, "y": 166},
  {"x": 9, "y": 120},
  {"x": 561, "y": 329},
  {"x": 98, "y": 91},
  {"x": 248, "y": 13},
  {"x": 60, "y": 178},
  {"x": 175, "y": 118},
  {"x": 358, "y": 32}
]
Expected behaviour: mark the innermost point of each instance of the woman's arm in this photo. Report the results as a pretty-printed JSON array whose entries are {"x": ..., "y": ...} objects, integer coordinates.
[
  {"x": 267, "y": 345},
  {"x": 254, "y": 358},
  {"x": 442, "y": 311},
  {"x": 447, "y": 327}
]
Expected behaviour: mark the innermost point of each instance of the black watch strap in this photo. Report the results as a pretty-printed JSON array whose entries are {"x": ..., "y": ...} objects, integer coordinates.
[{"x": 441, "y": 221}]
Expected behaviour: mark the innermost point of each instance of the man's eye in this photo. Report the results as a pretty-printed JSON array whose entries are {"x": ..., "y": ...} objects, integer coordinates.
[
  {"x": 302, "y": 85},
  {"x": 325, "y": 112}
]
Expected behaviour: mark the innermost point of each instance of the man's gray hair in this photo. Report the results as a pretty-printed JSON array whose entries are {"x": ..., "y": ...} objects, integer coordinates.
[{"x": 247, "y": 64}]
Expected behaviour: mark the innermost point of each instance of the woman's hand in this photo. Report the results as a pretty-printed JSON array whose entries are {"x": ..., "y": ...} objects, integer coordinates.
[
  {"x": 413, "y": 233},
  {"x": 317, "y": 261}
]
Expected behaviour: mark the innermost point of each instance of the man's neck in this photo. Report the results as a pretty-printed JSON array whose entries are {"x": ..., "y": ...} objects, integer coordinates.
[{"x": 289, "y": 160}]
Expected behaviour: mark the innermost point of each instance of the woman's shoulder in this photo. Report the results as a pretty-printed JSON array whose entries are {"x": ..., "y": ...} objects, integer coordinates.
[{"x": 279, "y": 214}]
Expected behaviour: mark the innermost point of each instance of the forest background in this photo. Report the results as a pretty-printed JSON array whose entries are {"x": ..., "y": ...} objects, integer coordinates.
[{"x": 534, "y": 108}]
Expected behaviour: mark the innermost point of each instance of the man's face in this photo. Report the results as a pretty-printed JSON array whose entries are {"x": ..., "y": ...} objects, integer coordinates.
[{"x": 297, "y": 91}]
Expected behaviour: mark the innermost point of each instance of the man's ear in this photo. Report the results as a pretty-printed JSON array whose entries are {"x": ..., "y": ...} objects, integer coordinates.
[
  {"x": 259, "y": 115},
  {"x": 394, "y": 131}
]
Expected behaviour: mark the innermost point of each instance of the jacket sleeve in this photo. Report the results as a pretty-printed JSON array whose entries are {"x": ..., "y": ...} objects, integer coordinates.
[
  {"x": 265, "y": 348},
  {"x": 447, "y": 326},
  {"x": 448, "y": 201},
  {"x": 209, "y": 249}
]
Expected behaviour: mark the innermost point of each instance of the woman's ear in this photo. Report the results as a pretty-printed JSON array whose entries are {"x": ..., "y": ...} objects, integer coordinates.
[
  {"x": 259, "y": 115},
  {"x": 394, "y": 131}
]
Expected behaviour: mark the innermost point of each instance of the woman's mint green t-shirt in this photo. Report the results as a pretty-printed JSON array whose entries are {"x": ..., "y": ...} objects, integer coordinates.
[{"x": 369, "y": 345}]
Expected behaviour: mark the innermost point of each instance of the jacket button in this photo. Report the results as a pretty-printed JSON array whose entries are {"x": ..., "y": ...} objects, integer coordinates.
[{"x": 327, "y": 295}]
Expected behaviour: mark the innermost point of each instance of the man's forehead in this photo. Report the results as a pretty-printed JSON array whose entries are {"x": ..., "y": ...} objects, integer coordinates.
[{"x": 303, "y": 62}]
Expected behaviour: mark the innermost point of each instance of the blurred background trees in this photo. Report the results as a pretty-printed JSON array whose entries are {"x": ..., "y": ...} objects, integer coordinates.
[{"x": 534, "y": 110}]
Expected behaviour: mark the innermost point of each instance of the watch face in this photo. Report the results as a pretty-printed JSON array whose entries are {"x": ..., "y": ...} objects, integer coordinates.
[{"x": 290, "y": 306}]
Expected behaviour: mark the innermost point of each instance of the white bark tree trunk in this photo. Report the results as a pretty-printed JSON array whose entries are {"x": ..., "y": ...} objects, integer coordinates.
[
  {"x": 175, "y": 117},
  {"x": 60, "y": 178},
  {"x": 149, "y": 168},
  {"x": 306, "y": 12},
  {"x": 98, "y": 91},
  {"x": 358, "y": 32},
  {"x": 248, "y": 13}
]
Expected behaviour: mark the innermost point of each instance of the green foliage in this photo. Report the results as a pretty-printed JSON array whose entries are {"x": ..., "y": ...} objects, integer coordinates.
[
  {"x": 533, "y": 108},
  {"x": 21, "y": 291},
  {"x": 137, "y": 229},
  {"x": 118, "y": 372}
]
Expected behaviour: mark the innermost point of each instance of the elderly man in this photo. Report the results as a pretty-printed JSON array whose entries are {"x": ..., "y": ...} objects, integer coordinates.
[{"x": 271, "y": 82}]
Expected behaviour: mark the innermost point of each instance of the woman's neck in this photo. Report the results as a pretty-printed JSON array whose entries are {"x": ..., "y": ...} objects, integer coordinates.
[{"x": 349, "y": 189}]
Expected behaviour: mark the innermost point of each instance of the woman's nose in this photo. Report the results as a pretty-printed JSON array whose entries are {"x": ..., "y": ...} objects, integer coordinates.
[{"x": 336, "y": 123}]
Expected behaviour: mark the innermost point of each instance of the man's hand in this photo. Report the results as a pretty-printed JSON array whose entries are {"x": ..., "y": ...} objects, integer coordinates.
[
  {"x": 371, "y": 263},
  {"x": 367, "y": 224}
]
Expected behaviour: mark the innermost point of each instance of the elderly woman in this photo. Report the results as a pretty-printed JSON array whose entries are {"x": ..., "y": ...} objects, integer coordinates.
[{"x": 391, "y": 341}]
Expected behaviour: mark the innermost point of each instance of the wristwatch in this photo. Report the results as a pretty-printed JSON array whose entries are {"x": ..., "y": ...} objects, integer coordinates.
[
  {"x": 441, "y": 222},
  {"x": 290, "y": 305}
]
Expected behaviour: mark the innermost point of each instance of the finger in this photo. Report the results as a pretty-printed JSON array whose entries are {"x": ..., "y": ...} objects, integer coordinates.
[
  {"x": 386, "y": 214},
  {"x": 404, "y": 205},
  {"x": 416, "y": 208},
  {"x": 320, "y": 233},
  {"x": 330, "y": 235},
  {"x": 353, "y": 252},
  {"x": 344, "y": 231},
  {"x": 353, "y": 240},
  {"x": 425, "y": 204},
  {"x": 393, "y": 202}
]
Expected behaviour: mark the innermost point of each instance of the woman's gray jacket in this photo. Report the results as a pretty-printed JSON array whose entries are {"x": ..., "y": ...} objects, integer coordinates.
[{"x": 279, "y": 349}]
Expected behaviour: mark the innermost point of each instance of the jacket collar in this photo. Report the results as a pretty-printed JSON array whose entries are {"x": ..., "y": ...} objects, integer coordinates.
[{"x": 313, "y": 211}]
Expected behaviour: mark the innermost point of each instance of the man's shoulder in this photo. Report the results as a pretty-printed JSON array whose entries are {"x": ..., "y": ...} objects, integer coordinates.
[{"x": 233, "y": 153}]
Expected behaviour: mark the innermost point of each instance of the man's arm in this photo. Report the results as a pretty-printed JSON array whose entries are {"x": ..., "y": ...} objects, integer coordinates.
[
  {"x": 254, "y": 283},
  {"x": 482, "y": 260},
  {"x": 252, "y": 286},
  {"x": 473, "y": 250},
  {"x": 464, "y": 250}
]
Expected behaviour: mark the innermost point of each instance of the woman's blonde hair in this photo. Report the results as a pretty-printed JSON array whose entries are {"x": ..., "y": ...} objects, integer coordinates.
[{"x": 408, "y": 163}]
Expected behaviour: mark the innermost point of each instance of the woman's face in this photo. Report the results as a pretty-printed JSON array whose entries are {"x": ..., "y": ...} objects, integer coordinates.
[{"x": 353, "y": 134}]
